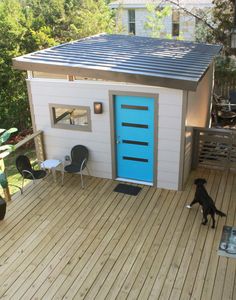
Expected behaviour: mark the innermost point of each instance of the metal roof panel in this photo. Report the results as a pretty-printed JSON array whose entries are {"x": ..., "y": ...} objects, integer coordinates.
[{"x": 137, "y": 56}]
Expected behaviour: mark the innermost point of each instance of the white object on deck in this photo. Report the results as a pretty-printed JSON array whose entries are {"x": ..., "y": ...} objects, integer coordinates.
[{"x": 52, "y": 165}]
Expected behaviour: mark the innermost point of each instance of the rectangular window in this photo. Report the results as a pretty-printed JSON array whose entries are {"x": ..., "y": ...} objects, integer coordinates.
[
  {"x": 175, "y": 22},
  {"x": 48, "y": 75},
  {"x": 70, "y": 117},
  {"x": 131, "y": 24}
]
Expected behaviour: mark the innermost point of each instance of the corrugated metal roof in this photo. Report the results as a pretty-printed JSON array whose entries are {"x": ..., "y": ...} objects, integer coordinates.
[{"x": 143, "y": 60}]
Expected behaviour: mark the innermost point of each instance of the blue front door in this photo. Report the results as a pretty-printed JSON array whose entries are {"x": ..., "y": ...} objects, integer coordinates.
[{"x": 134, "y": 136}]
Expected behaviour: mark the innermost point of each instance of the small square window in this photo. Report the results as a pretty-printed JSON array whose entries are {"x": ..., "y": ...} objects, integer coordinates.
[{"x": 70, "y": 117}]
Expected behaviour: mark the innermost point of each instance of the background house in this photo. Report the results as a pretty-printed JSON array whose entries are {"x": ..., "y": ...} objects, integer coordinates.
[
  {"x": 151, "y": 90},
  {"x": 132, "y": 15}
]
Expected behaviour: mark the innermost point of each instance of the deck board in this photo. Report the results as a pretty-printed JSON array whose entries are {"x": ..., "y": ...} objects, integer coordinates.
[{"x": 73, "y": 243}]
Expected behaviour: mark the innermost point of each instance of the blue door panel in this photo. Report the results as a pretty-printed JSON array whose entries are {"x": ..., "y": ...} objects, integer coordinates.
[
  {"x": 135, "y": 135},
  {"x": 137, "y": 171},
  {"x": 134, "y": 123},
  {"x": 137, "y": 151},
  {"x": 130, "y": 117}
]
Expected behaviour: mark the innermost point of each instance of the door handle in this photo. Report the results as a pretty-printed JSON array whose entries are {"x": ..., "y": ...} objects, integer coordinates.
[{"x": 118, "y": 140}]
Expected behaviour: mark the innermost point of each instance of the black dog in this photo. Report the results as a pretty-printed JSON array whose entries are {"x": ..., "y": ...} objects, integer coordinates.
[{"x": 206, "y": 202}]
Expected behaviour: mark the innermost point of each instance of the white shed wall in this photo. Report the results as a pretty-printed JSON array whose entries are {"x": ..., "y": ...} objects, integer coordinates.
[
  {"x": 198, "y": 113},
  {"x": 199, "y": 102},
  {"x": 59, "y": 141}
]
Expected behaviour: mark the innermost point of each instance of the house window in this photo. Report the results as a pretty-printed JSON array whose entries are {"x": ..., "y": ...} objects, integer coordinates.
[
  {"x": 70, "y": 117},
  {"x": 36, "y": 74},
  {"x": 131, "y": 16},
  {"x": 175, "y": 22}
]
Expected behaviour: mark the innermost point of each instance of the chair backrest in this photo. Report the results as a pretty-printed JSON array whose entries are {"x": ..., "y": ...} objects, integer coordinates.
[
  {"x": 78, "y": 154},
  {"x": 23, "y": 163}
]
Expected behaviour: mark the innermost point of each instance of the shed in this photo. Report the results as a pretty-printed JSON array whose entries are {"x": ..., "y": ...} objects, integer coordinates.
[{"x": 151, "y": 91}]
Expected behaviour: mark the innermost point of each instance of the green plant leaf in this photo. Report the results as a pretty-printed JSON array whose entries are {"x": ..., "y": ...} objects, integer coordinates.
[
  {"x": 11, "y": 130},
  {"x": 5, "y": 136},
  {"x": 7, "y": 147}
]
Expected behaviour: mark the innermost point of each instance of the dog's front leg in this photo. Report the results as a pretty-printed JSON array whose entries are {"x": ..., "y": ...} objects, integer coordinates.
[
  {"x": 213, "y": 221},
  {"x": 193, "y": 202},
  {"x": 204, "y": 220}
]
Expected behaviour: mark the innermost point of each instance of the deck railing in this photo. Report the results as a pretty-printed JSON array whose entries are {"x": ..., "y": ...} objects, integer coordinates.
[
  {"x": 39, "y": 147},
  {"x": 224, "y": 86},
  {"x": 214, "y": 148},
  {"x": 39, "y": 144}
]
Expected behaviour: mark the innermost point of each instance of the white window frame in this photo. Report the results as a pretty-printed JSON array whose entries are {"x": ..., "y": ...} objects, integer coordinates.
[{"x": 56, "y": 124}]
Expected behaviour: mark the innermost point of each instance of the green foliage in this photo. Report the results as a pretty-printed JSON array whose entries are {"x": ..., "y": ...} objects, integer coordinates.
[
  {"x": 94, "y": 17},
  {"x": 4, "y": 151},
  {"x": 3, "y": 180},
  {"x": 217, "y": 24},
  {"x": 225, "y": 67},
  {"x": 223, "y": 13},
  {"x": 30, "y": 25},
  {"x": 5, "y": 135},
  {"x": 13, "y": 103},
  {"x": 203, "y": 33},
  {"x": 155, "y": 19}
]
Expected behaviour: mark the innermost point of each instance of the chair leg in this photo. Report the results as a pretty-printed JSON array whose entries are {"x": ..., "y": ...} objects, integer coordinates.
[
  {"x": 88, "y": 171},
  {"x": 22, "y": 186},
  {"x": 82, "y": 182}
]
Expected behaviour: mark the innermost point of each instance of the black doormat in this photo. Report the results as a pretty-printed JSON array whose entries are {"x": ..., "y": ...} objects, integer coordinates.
[{"x": 127, "y": 189}]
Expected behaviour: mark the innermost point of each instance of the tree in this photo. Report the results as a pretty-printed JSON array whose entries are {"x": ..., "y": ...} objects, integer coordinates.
[
  {"x": 13, "y": 99},
  {"x": 30, "y": 25},
  {"x": 215, "y": 24},
  {"x": 94, "y": 17},
  {"x": 155, "y": 19}
]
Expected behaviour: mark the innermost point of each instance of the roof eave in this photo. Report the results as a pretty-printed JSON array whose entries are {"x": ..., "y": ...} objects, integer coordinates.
[{"x": 116, "y": 76}]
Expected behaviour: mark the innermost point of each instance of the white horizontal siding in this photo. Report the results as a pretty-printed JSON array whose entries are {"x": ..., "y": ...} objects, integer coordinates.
[
  {"x": 188, "y": 152},
  {"x": 199, "y": 102},
  {"x": 60, "y": 141}
]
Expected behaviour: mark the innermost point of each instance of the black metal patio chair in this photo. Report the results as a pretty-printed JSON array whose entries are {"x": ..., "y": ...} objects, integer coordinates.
[
  {"x": 26, "y": 170},
  {"x": 79, "y": 159}
]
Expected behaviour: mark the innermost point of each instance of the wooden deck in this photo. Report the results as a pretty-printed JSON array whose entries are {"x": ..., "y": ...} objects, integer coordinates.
[{"x": 68, "y": 243}]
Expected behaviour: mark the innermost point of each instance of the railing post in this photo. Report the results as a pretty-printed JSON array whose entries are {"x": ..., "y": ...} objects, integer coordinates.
[
  {"x": 195, "y": 148},
  {"x": 39, "y": 146},
  {"x": 231, "y": 152}
]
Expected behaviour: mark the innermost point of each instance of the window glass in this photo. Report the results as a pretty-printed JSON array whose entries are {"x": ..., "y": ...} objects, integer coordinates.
[
  {"x": 131, "y": 16},
  {"x": 70, "y": 117},
  {"x": 48, "y": 75},
  {"x": 175, "y": 22},
  {"x": 175, "y": 30}
]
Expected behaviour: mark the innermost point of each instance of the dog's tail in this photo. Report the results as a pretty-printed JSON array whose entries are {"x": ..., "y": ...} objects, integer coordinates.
[{"x": 220, "y": 213}]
